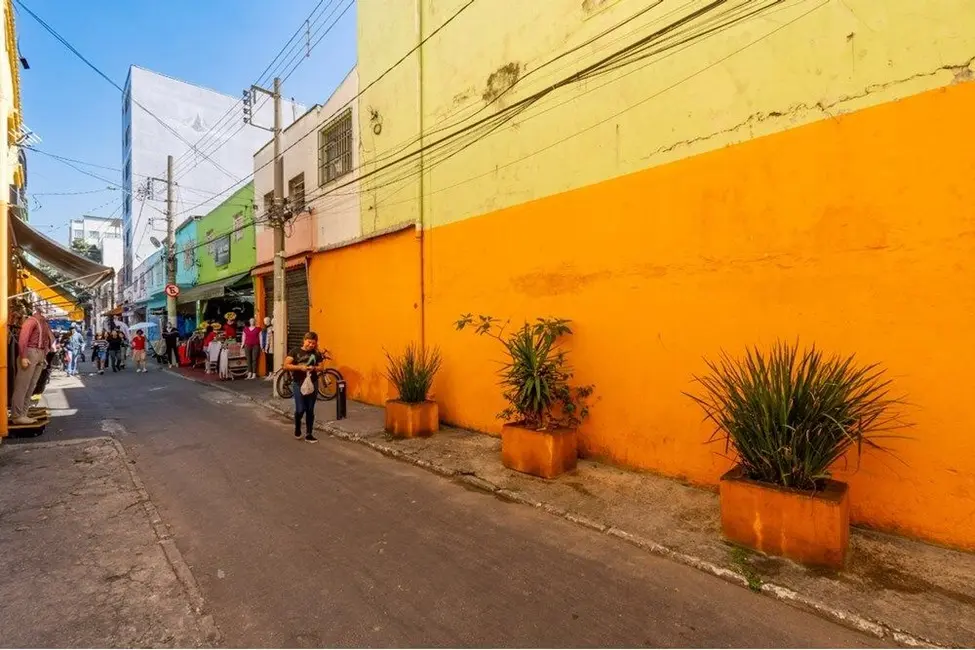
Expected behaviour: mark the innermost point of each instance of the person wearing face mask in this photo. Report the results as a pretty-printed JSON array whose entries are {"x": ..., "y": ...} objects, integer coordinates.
[{"x": 252, "y": 347}]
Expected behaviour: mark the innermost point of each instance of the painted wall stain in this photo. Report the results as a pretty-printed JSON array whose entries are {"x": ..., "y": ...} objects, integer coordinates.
[{"x": 501, "y": 80}]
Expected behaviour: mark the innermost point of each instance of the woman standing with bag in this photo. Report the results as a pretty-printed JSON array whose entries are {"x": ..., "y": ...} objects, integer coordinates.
[{"x": 304, "y": 364}]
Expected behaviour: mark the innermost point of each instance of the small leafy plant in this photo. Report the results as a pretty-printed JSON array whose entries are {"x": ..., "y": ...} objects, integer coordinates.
[
  {"x": 789, "y": 415},
  {"x": 412, "y": 372},
  {"x": 535, "y": 377}
]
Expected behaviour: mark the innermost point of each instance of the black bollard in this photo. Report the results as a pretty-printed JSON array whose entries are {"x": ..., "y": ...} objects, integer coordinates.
[{"x": 340, "y": 401}]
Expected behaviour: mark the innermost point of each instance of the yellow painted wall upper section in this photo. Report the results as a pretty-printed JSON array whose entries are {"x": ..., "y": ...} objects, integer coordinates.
[{"x": 743, "y": 69}]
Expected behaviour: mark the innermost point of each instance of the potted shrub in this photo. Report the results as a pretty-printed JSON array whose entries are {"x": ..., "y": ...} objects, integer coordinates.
[
  {"x": 788, "y": 416},
  {"x": 543, "y": 411},
  {"x": 413, "y": 413}
]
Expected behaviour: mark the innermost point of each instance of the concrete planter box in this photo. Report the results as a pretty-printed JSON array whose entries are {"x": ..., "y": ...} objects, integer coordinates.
[
  {"x": 405, "y": 420},
  {"x": 539, "y": 453},
  {"x": 809, "y": 528}
]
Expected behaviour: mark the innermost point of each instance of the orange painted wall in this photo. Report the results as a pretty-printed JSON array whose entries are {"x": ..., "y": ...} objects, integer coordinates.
[
  {"x": 857, "y": 233},
  {"x": 366, "y": 297}
]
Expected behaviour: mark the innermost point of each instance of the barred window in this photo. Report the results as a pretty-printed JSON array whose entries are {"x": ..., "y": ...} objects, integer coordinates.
[
  {"x": 188, "y": 259},
  {"x": 238, "y": 226},
  {"x": 268, "y": 204},
  {"x": 335, "y": 149},
  {"x": 296, "y": 193}
]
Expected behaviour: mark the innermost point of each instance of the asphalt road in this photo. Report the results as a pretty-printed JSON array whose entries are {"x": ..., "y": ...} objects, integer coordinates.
[{"x": 334, "y": 545}]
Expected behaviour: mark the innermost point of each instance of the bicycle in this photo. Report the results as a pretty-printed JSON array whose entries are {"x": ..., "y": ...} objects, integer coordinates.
[{"x": 328, "y": 382}]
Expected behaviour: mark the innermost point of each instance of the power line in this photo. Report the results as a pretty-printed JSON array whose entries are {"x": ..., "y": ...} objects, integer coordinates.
[
  {"x": 361, "y": 92},
  {"x": 104, "y": 76},
  {"x": 290, "y": 72},
  {"x": 66, "y": 160},
  {"x": 495, "y": 168},
  {"x": 178, "y": 166},
  {"x": 221, "y": 122},
  {"x": 75, "y": 192},
  {"x": 515, "y": 109}
]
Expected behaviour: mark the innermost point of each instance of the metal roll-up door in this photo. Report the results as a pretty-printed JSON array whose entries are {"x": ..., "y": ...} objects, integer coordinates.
[{"x": 296, "y": 287}]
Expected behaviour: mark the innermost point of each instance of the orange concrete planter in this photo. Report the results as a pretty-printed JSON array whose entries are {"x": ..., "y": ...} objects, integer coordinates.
[
  {"x": 405, "y": 420},
  {"x": 540, "y": 453},
  {"x": 811, "y": 528}
]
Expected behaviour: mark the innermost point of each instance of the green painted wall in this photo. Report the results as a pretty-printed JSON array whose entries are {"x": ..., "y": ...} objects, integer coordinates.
[{"x": 213, "y": 228}]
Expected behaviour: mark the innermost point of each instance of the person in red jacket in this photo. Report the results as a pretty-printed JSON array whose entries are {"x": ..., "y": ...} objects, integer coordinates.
[{"x": 139, "y": 351}]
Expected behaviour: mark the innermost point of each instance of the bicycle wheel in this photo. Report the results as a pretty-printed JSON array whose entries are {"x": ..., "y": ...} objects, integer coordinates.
[
  {"x": 283, "y": 385},
  {"x": 328, "y": 384}
]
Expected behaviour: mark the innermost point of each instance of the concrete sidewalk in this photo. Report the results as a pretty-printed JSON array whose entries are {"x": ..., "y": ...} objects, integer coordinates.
[
  {"x": 903, "y": 591},
  {"x": 86, "y": 561}
]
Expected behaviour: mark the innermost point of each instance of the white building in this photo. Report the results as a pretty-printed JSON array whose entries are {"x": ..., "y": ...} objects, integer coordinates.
[
  {"x": 93, "y": 230},
  {"x": 220, "y": 159},
  {"x": 108, "y": 295}
]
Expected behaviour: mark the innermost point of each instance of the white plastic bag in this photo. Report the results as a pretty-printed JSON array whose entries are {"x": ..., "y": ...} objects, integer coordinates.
[{"x": 307, "y": 386}]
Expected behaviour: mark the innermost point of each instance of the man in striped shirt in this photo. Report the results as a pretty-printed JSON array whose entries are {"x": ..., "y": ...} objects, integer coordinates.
[{"x": 34, "y": 343}]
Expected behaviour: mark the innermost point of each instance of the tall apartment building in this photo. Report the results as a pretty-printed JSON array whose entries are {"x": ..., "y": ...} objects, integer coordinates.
[
  {"x": 204, "y": 132},
  {"x": 94, "y": 229}
]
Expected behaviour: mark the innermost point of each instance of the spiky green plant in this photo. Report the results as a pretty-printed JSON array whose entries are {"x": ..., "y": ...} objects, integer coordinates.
[
  {"x": 789, "y": 416},
  {"x": 535, "y": 379},
  {"x": 412, "y": 372}
]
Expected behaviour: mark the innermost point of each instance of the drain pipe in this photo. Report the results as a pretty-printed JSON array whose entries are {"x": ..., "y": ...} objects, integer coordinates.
[{"x": 420, "y": 211}]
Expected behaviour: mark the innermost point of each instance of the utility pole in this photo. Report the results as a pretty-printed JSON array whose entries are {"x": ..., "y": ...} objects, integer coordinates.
[
  {"x": 170, "y": 251},
  {"x": 277, "y": 219}
]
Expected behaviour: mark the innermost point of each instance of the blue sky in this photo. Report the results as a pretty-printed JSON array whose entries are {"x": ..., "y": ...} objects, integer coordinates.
[{"x": 220, "y": 44}]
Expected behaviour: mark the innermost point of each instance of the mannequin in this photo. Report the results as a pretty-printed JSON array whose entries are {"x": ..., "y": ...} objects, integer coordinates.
[
  {"x": 267, "y": 345},
  {"x": 252, "y": 347},
  {"x": 36, "y": 339}
]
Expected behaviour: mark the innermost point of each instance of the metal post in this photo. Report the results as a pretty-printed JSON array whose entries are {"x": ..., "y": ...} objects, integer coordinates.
[
  {"x": 280, "y": 313},
  {"x": 170, "y": 252}
]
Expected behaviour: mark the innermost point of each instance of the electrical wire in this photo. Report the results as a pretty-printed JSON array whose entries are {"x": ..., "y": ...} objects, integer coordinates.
[
  {"x": 222, "y": 121},
  {"x": 287, "y": 75},
  {"x": 490, "y": 123},
  {"x": 494, "y": 169},
  {"x": 399, "y": 61},
  {"x": 75, "y": 192},
  {"x": 104, "y": 76}
]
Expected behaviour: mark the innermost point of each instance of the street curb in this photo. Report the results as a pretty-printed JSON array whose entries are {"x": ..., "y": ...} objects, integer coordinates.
[
  {"x": 182, "y": 570},
  {"x": 786, "y": 595}
]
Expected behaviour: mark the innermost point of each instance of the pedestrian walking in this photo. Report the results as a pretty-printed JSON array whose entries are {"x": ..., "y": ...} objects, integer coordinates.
[
  {"x": 302, "y": 363},
  {"x": 115, "y": 350},
  {"x": 171, "y": 337},
  {"x": 252, "y": 347},
  {"x": 76, "y": 343},
  {"x": 34, "y": 343},
  {"x": 99, "y": 352},
  {"x": 139, "y": 351}
]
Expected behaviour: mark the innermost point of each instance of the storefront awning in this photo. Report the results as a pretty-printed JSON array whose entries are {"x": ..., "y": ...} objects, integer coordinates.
[
  {"x": 48, "y": 291},
  {"x": 75, "y": 267},
  {"x": 210, "y": 290}
]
